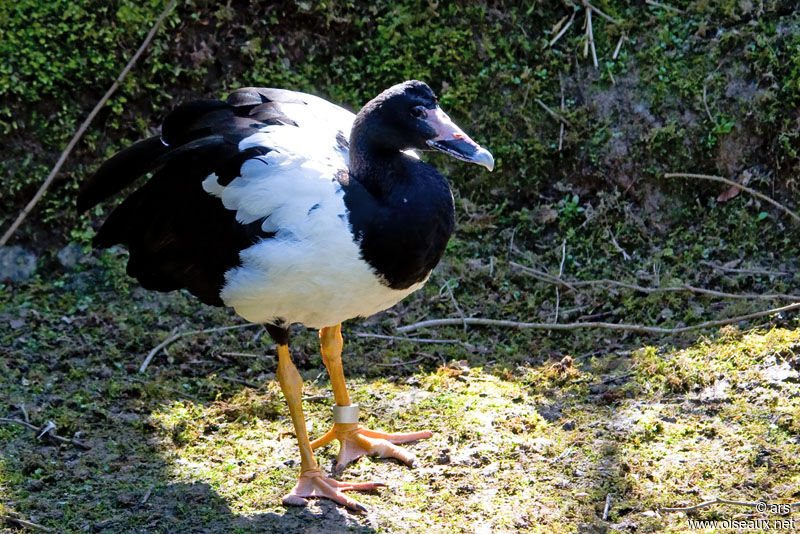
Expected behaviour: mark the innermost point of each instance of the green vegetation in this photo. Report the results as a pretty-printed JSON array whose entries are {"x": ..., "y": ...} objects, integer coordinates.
[{"x": 526, "y": 440}]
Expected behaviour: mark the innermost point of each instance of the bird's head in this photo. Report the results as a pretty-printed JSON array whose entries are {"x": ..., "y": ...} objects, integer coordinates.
[{"x": 408, "y": 116}]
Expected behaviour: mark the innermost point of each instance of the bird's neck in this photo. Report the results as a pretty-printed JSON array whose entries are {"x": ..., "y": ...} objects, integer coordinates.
[{"x": 372, "y": 164}]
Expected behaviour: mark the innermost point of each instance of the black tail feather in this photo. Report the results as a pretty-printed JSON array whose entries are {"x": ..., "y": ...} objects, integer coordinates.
[
  {"x": 179, "y": 235},
  {"x": 121, "y": 170}
]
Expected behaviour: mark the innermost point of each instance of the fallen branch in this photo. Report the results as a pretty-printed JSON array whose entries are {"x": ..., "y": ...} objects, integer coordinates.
[
  {"x": 47, "y": 430},
  {"x": 732, "y": 183},
  {"x": 246, "y": 355},
  {"x": 718, "y": 500},
  {"x": 609, "y": 326},
  {"x": 75, "y": 138},
  {"x": 176, "y": 337},
  {"x": 744, "y": 271},
  {"x": 412, "y": 339},
  {"x": 24, "y": 523},
  {"x": 541, "y": 274},
  {"x": 649, "y": 290}
]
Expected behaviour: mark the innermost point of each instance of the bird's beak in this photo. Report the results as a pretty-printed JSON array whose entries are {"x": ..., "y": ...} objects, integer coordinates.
[{"x": 451, "y": 140}]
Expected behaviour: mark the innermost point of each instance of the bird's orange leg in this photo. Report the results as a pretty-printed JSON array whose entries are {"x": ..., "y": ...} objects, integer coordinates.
[
  {"x": 312, "y": 483},
  {"x": 355, "y": 440}
]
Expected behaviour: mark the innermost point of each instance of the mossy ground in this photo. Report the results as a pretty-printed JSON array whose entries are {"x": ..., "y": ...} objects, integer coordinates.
[
  {"x": 524, "y": 440},
  {"x": 518, "y": 446}
]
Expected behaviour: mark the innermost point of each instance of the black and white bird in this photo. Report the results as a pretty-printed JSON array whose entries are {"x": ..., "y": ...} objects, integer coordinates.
[{"x": 290, "y": 209}]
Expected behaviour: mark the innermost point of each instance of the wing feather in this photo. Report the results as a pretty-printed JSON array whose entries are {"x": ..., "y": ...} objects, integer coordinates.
[{"x": 225, "y": 177}]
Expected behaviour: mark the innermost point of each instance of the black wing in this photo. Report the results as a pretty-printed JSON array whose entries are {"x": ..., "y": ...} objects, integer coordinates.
[{"x": 178, "y": 235}]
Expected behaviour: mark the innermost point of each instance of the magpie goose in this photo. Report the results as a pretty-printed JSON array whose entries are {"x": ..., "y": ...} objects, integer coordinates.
[{"x": 290, "y": 209}]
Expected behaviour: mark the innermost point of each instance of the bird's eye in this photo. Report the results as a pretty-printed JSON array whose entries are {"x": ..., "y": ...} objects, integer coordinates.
[{"x": 418, "y": 112}]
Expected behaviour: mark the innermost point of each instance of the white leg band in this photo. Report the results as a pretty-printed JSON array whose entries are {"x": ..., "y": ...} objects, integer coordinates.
[{"x": 345, "y": 414}]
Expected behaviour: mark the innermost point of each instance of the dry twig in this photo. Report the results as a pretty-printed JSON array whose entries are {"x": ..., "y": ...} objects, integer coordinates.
[
  {"x": 625, "y": 255},
  {"x": 744, "y": 271},
  {"x": 616, "y": 50},
  {"x": 246, "y": 355},
  {"x": 541, "y": 274},
  {"x": 561, "y": 126},
  {"x": 560, "y": 272},
  {"x": 736, "y": 184},
  {"x": 607, "y": 507},
  {"x": 164, "y": 344},
  {"x": 25, "y": 523},
  {"x": 75, "y": 138},
  {"x": 610, "y": 326},
  {"x": 573, "y": 284},
  {"x": 413, "y": 339},
  {"x": 549, "y": 110},
  {"x": 24, "y": 412},
  {"x": 599, "y": 12},
  {"x": 453, "y": 299},
  {"x": 47, "y": 430},
  {"x": 563, "y": 30},
  {"x": 147, "y": 495},
  {"x": 590, "y": 36},
  {"x": 705, "y": 104}
]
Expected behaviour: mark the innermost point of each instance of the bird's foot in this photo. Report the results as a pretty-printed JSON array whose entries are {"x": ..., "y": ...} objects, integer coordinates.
[
  {"x": 313, "y": 483},
  {"x": 357, "y": 441}
]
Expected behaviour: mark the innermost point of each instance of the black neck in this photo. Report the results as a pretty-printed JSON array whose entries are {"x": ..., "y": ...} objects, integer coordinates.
[{"x": 371, "y": 163}]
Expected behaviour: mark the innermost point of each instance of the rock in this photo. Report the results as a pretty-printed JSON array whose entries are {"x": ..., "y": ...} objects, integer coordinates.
[
  {"x": 569, "y": 425},
  {"x": 16, "y": 264},
  {"x": 70, "y": 255},
  {"x": 551, "y": 412}
]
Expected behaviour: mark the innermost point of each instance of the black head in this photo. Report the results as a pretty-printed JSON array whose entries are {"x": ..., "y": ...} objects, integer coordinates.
[{"x": 408, "y": 116}]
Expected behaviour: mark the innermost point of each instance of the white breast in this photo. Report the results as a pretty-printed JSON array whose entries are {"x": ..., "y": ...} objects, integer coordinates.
[{"x": 311, "y": 271}]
